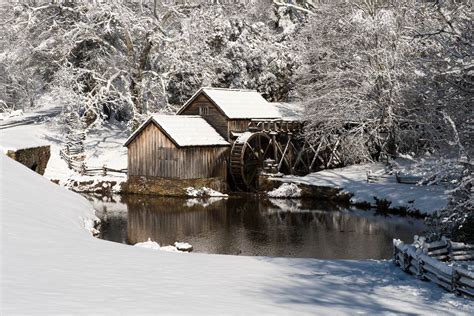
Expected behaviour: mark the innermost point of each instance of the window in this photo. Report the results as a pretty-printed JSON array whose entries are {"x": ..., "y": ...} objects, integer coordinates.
[{"x": 203, "y": 110}]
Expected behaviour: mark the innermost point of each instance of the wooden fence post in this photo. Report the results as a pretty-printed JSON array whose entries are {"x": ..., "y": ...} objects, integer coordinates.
[
  {"x": 423, "y": 260},
  {"x": 104, "y": 170}
]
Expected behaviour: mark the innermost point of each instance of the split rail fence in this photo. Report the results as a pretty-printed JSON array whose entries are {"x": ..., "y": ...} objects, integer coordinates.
[
  {"x": 442, "y": 262},
  {"x": 74, "y": 156},
  {"x": 76, "y": 163}
]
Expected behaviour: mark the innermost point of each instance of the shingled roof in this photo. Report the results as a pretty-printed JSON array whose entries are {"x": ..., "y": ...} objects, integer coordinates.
[
  {"x": 237, "y": 104},
  {"x": 183, "y": 131}
]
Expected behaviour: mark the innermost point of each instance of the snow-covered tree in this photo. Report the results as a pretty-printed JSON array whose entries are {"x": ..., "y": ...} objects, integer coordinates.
[
  {"x": 220, "y": 46},
  {"x": 121, "y": 60},
  {"x": 365, "y": 76}
]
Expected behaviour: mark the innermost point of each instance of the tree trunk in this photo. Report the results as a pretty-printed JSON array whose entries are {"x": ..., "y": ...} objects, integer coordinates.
[{"x": 137, "y": 77}]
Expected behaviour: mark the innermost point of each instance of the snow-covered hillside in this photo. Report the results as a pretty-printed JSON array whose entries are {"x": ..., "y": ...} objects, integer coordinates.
[
  {"x": 102, "y": 146},
  {"x": 51, "y": 264}
]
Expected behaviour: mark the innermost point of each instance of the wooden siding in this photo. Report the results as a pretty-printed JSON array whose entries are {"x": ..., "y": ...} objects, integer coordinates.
[
  {"x": 237, "y": 126},
  {"x": 215, "y": 117},
  {"x": 152, "y": 154}
]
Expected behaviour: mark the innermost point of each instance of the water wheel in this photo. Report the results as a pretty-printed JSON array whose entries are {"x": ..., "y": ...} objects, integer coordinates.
[{"x": 247, "y": 157}]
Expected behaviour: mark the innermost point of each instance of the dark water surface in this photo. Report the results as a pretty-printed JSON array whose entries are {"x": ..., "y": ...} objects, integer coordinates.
[{"x": 247, "y": 225}]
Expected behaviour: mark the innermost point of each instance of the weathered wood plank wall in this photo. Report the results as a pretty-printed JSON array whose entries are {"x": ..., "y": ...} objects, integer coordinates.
[
  {"x": 237, "y": 126},
  {"x": 214, "y": 117},
  {"x": 152, "y": 154}
]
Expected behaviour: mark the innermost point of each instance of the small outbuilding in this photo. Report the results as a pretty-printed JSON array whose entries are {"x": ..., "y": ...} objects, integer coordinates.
[
  {"x": 229, "y": 111},
  {"x": 168, "y": 153}
]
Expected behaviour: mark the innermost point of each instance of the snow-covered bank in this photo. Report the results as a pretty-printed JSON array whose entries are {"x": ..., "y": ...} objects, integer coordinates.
[
  {"x": 51, "y": 264},
  {"x": 182, "y": 247},
  {"x": 102, "y": 146},
  {"x": 353, "y": 180},
  {"x": 204, "y": 192},
  {"x": 286, "y": 190}
]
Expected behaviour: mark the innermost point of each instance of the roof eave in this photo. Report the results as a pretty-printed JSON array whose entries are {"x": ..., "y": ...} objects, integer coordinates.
[
  {"x": 137, "y": 131},
  {"x": 256, "y": 118},
  {"x": 211, "y": 145},
  {"x": 194, "y": 96}
]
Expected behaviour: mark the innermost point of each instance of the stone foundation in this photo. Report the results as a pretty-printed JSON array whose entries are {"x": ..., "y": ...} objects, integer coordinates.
[
  {"x": 101, "y": 187},
  {"x": 170, "y": 187},
  {"x": 35, "y": 158}
]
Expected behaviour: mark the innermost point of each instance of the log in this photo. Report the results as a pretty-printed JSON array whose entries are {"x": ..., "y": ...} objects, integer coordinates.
[
  {"x": 442, "y": 251},
  {"x": 463, "y": 258},
  {"x": 441, "y": 258},
  {"x": 466, "y": 282},
  {"x": 434, "y": 279},
  {"x": 462, "y": 253},
  {"x": 435, "y": 245},
  {"x": 437, "y": 274},
  {"x": 466, "y": 291},
  {"x": 464, "y": 272},
  {"x": 413, "y": 270},
  {"x": 400, "y": 258},
  {"x": 443, "y": 268},
  {"x": 428, "y": 267},
  {"x": 460, "y": 246},
  {"x": 407, "y": 179},
  {"x": 412, "y": 251}
]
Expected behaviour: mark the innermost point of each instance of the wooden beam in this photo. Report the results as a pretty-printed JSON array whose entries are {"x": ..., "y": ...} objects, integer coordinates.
[
  {"x": 298, "y": 158},
  {"x": 284, "y": 154},
  {"x": 316, "y": 156},
  {"x": 275, "y": 147}
]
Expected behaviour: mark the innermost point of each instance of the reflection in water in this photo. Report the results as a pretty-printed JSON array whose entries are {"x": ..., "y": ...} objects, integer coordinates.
[{"x": 256, "y": 227}]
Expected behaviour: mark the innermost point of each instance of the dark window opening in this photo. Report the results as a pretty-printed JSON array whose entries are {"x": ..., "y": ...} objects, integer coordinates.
[{"x": 203, "y": 110}]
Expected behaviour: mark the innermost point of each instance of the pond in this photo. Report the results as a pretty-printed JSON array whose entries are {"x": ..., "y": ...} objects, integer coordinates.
[{"x": 252, "y": 226}]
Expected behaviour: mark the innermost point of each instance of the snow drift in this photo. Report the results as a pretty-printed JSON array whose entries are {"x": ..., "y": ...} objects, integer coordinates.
[{"x": 51, "y": 264}]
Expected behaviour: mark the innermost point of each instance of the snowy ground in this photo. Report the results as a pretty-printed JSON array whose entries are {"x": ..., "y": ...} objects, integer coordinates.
[
  {"x": 353, "y": 179},
  {"x": 46, "y": 111},
  {"x": 51, "y": 264},
  {"x": 103, "y": 146}
]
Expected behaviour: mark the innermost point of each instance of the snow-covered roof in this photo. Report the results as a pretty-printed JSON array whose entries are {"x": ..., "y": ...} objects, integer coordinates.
[
  {"x": 237, "y": 104},
  {"x": 184, "y": 131}
]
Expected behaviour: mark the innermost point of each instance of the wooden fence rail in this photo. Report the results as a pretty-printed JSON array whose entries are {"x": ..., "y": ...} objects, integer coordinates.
[
  {"x": 74, "y": 162},
  {"x": 424, "y": 260}
]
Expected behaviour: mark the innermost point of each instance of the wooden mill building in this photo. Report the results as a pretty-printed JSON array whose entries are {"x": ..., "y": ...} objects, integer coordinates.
[
  {"x": 211, "y": 139},
  {"x": 229, "y": 111},
  {"x": 166, "y": 148}
]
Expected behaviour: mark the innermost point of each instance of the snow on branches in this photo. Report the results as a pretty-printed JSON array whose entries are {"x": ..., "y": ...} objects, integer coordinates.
[
  {"x": 119, "y": 60},
  {"x": 370, "y": 77}
]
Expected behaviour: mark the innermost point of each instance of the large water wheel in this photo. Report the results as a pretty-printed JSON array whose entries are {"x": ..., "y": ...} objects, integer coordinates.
[{"x": 247, "y": 157}]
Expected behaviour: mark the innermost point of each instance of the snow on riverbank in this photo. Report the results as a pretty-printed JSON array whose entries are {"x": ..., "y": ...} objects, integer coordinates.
[
  {"x": 181, "y": 247},
  {"x": 103, "y": 146},
  {"x": 353, "y": 179},
  {"x": 51, "y": 264},
  {"x": 204, "y": 192},
  {"x": 286, "y": 190}
]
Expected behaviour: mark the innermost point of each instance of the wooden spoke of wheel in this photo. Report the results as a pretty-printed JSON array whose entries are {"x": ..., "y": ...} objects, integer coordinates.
[{"x": 248, "y": 154}]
